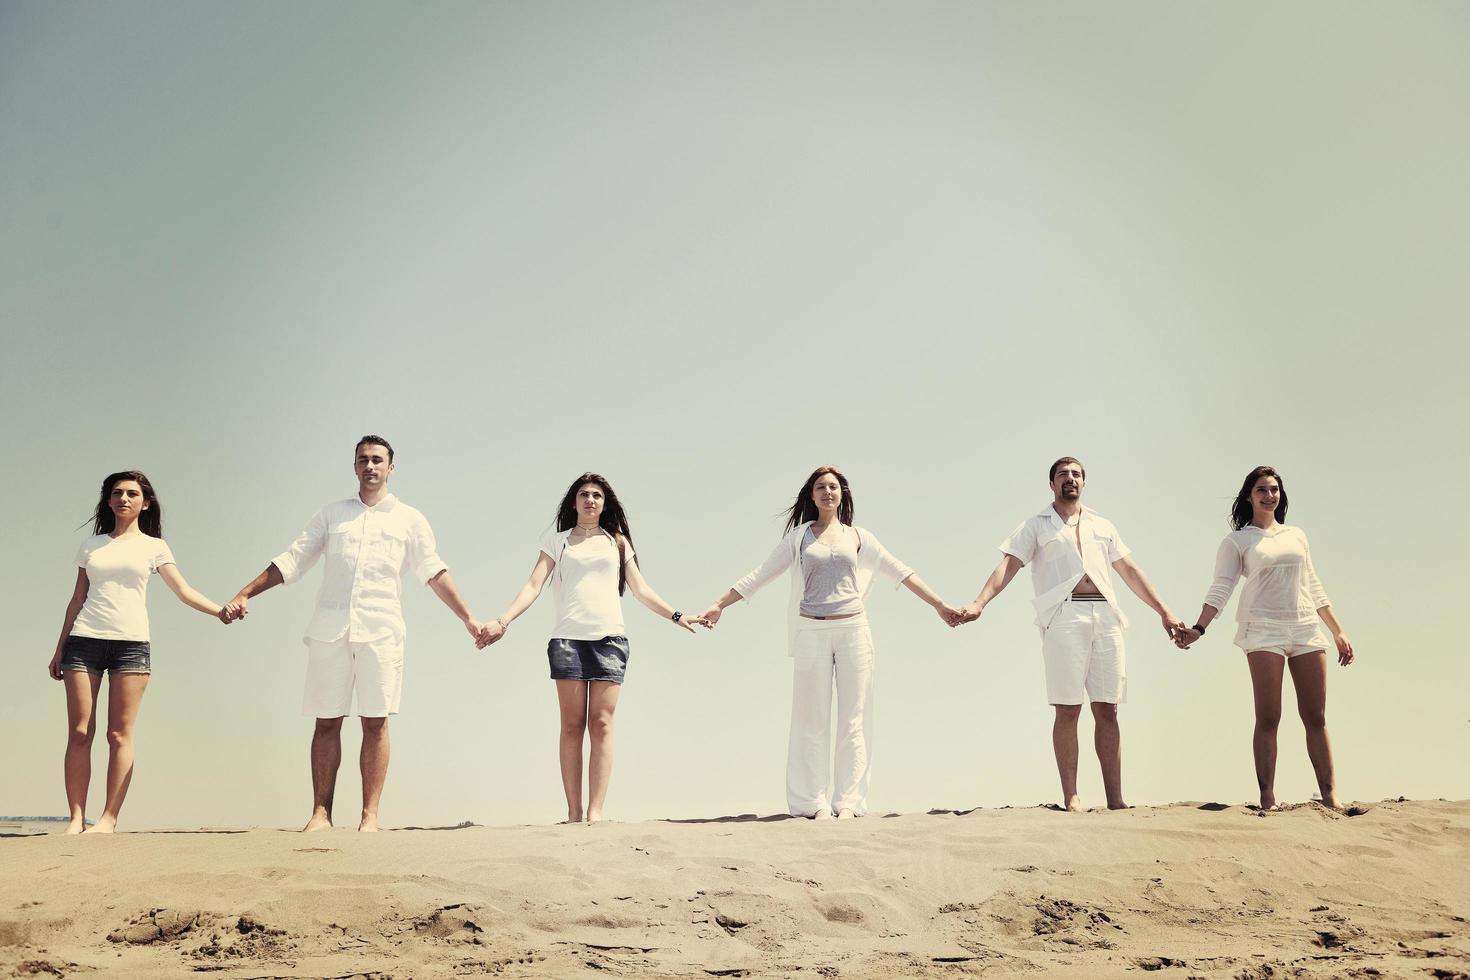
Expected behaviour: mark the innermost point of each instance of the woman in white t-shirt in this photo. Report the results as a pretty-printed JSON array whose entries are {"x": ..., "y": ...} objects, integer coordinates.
[
  {"x": 833, "y": 565},
  {"x": 589, "y": 559},
  {"x": 106, "y": 632},
  {"x": 1280, "y": 615}
]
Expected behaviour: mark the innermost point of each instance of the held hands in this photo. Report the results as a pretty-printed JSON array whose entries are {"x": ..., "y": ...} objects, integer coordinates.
[
  {"x": 1173, "y": 625},
  {"x": 970, "y": 613},
  {"x": 709, "y": 617},
  {"x": 487, "y": 634},
  {"x": 952, "y": 617},
  {"x": 1345, "y": 655},
  {"x": 236, "y": 608},
  {"x": 1183, "y": 638}
]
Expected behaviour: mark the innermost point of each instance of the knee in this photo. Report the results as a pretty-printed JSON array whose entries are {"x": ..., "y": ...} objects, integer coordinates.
[
  {"x": 1067, "y": 714},
  {"x": 1267, "y": 719},
  {"x": 572, "y": 726},
  {"x": 374, "y": 727},
  {"x": 80, "y": 736},
  {"x": 119, "y": 738},
  {"x": 600, "y": 726},
  {"x": 1313, "y": 718},
  {"x": 1106, "y": 714},
  {"x": 328, "y": 727}
]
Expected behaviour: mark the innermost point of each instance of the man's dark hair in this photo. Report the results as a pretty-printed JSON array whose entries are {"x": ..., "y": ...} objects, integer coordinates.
[
  {"x": 373, "y": 441},
  {"x": 1065, "y": 459}
]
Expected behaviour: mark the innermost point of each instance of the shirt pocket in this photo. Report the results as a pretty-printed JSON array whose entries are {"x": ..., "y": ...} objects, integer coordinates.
[
  {"x": 389, "y": 546},
  {"x": 344, "y": 538}
]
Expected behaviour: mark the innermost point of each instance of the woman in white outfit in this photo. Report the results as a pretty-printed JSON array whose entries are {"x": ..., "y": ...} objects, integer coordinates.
[
  {"x": 1282, "y": 609},
  {"x": 590, "y": 560},
  {"x": 832, "y": 564},
  {"x": 105, "y": 631}
]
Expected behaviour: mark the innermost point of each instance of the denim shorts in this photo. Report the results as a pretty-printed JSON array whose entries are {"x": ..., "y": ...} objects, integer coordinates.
[
  {"x": 588, "y": 660},
  {"x": 97, "y": 656}
]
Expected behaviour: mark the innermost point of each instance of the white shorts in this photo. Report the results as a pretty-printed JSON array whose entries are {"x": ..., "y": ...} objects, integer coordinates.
[
  {"x": 1287, "y": 639},
  {"x": 1083, "y": 652},
  {"x": 337, "y": 669}
]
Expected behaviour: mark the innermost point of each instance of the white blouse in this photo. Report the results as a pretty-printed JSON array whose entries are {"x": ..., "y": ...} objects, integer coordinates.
[{"x": 1281, "y": 586}]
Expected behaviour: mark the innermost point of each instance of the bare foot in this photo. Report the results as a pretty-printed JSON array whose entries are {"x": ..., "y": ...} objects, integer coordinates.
[
  {"x": 822, "y": 814},
  {"x": 846, "y": 814},
  {"x": 104, "y": 825},
  {"x": 369, "y": 824},
  {"x": 1117, "y": 805},
  {"x": 1073, "y": 804},
  {"x": 1268, "y": 801},
  {"x": 1330, "y": 800},
  {"x": 594, "y": 816},
  {"x": 78, "y": 825},
  {"x": 573, "y": 816},
  {"x": 320, "y": 820}
]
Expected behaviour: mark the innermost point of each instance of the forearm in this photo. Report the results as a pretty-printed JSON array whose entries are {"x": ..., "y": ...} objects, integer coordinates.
[
  {"x": 444, "y": 588},
  {"x": 520, "y": 603},
  {"x": 268, "y": 579},
  {"x": 67, "y": 622},
  {"x": 654, "y": 603},
  {"x": 917, "y": 586},
  {"x": 1207, "y": 614},
  {"x": 998, "y": 580},
  {"x": 1144, "y": 589},
  {"x": 195, "y": 599},
  {"x": 728, "y": 599},
  {"x": 1326, "y": 615}
]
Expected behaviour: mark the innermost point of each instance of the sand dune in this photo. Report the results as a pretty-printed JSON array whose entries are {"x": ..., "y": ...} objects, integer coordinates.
[{"x": 1183, "y": 890}]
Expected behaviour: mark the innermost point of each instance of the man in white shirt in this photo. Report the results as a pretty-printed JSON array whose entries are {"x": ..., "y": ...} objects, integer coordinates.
[
  {"x": 1072, "y": 552},
  {"x": 356, "y": 634}
]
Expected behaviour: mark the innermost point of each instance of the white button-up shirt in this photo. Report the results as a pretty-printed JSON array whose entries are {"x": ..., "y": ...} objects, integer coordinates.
[
  {"x": 368, "y": 549},
  {"x": 1049, "y": 546}
]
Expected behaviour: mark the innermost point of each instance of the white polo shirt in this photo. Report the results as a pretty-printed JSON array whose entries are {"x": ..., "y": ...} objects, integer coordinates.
[
  {"x": 367, "y": 550},
  {"x": 1049, "y": 546}
]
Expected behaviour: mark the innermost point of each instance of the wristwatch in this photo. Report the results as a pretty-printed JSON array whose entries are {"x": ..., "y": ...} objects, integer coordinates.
[
  {"x": 1198, "y": 629},
  {"x": 677, "y": 616}
]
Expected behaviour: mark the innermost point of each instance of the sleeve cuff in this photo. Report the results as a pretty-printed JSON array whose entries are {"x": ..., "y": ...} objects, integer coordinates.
[
  {"x": 288, "y": 568},
  {"x": 430, "y": 567}
]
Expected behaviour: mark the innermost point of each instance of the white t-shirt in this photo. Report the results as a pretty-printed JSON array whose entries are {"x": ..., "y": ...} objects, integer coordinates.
[
  {"x": 1281, "y": 585},
  {"x": 584, "y": 586},
  {"x": 117, "y": 585}
]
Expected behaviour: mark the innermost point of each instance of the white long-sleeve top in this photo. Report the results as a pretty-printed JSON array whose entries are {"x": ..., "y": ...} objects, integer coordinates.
[
  {"x": 1281, "y": 586},
  {"x": 367, "y": 550},
  {"x": 873, "y": 559}
]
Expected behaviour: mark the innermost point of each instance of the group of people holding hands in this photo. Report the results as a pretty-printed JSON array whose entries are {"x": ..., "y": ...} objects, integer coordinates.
[{"x": 355, "y": 639}]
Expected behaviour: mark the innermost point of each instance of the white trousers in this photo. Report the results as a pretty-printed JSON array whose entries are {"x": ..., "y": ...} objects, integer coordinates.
[{"x": 824, "y": 652}]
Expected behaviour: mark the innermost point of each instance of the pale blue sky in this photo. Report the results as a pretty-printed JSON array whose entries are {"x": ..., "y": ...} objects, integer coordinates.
[{"x": 702, "y": 249}]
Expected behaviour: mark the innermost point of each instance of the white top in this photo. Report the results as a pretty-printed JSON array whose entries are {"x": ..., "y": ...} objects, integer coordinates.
[
  {"x": 1049, "y": 546},
  {"x": 118, "y": 570},
  {"x": 584, "y": 585},
  {"x": 368, "y": 549},
  {"x": 873, "y": 559},
  {"x": 1281, "y": 586},
  {"x": 829, "y": 575}
]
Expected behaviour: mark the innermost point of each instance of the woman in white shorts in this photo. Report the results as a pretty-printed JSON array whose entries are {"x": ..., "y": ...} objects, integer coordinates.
[
  {"x": 106, "y": 632},
  {"x": 1281, "y": 612},
  {"x": 590, "y": 560},
  {"x": 832, "y": 564}
]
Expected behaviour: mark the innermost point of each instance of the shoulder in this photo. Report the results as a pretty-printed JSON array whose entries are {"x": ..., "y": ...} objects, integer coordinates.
[{"x": 1101, "y": 523}]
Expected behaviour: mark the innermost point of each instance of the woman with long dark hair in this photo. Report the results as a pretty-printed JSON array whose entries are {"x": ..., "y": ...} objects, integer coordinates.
[
  {"x": 590, "y": 561},
  {"x": 1280, "y": 616},
  {"x": 833, "y": 563},
  {"x": 106, "y": 632}
]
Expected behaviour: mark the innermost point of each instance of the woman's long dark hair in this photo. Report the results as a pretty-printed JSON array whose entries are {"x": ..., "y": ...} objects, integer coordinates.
[
  {"x": 613, "y": 520},
  {"x": 805, "y": 509},
  {"x": 1241, "y": 510},
  {"x": 150, "y": 521}
]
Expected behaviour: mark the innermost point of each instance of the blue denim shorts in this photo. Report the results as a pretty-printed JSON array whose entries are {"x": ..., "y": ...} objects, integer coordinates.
[
  {"x": 588, "y": 660},
  {"x": 97, "y": 656}
]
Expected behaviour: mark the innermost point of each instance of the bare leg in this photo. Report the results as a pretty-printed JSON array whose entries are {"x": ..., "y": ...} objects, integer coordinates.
[
  {"x": 1309, "y": 676},
  {"x": 81, "y": 719},
  {"x": 602, "y": 701},
  {"x": 1064, "y": 744},
  {"x": 1107, "y": 739},
  {"x": 571, "y": 699},
  {"x": 1266, "y": 671},
  {"x": 373, "y": 761},
  {"x": 124, "y": 695},
  {"x": 326, "y": 756}
]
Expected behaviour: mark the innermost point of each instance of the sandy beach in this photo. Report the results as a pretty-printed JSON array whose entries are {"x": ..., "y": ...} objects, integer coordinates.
[{"x": 1198, "y": 890}]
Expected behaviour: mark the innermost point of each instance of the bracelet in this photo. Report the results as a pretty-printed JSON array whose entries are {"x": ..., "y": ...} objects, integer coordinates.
[
  {"x": 1198, "y": 629},
  {"x": 502, "y": 625},
  {"x": 677, "y": 616}
]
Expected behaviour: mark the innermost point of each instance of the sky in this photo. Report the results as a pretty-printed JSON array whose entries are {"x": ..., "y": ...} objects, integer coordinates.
[{"x": 702, "y": 249}]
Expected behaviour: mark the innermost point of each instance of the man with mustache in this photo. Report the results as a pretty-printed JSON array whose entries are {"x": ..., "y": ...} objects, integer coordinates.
[{"x": 1072, "y": 552}]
